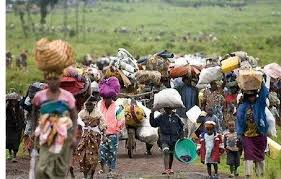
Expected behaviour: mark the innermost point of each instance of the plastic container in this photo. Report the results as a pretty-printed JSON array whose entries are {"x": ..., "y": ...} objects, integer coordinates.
[
  {"x": 274, "y": 148},
  {"x": 230, "y": 64},
  {"x": 185, "y": 147}
]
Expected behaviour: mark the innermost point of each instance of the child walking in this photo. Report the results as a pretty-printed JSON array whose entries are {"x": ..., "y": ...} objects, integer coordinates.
[
  {"x": 233, "y": 149},
  {"x": 93, "y": 130},
  {"x": 210, "y": 148},
  {"x": 171, "y": 129}
]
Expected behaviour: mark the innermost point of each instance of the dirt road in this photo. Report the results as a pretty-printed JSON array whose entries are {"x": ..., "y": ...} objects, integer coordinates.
[{"x": 141, "y": 166}]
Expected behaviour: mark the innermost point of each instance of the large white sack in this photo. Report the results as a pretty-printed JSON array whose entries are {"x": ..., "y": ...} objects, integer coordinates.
[
  {"x": 210, "y": 74},
  {"x": 196, "y": 59},
  {"x": 271, "y": 123},
  {"x": 181, "y": 61},
  {"x": 168, "y": 98},
  {"x": 147, "y": 134}
]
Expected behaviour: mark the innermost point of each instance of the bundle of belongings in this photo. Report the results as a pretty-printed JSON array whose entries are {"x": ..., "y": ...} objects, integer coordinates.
[
  {"x": 53, "y": 55},
  {"x": 134, "y": 114},
  {"x": 273, "y": 70},
  {"x": 124, "y": 67},
  {"x": 53, "y": 125},
  {"x": 196, "y": 59},
  {"x": 103, "y": 62},
  {"x": 249, "y": 80},
  {"x": 74, "y": 82},
  {"x": 185, "y": 71},
  {"x": 167, "y": 98},
  {"x": 137, "y": 116},
  {"x": 210, "y": 74},
  {"x": 77, "y": 83},
  {"x": 159, "y": 62},
  {"x": 109, "y": 88},
  {"x": 148, "y": 77},
  {"x": 93, "y": 73}
]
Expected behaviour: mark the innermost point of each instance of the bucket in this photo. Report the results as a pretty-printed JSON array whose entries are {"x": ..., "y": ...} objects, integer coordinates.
[{"x": 185, "y": 150}]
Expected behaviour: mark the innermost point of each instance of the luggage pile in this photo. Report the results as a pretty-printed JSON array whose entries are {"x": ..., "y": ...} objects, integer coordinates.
[{"x": 123, "y": 66}]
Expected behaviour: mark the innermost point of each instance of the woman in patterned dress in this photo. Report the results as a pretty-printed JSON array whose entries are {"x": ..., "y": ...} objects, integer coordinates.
[
  {"x": 213, "y": 98},
  {"x": 93, "y": 130}
]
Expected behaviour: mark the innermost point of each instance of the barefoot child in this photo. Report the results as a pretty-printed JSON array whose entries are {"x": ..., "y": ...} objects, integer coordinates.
[
  {"x": 233, "y": 148},
  {"x": 210, "y": 148},
  {"x": 88, "y": 146},
  {"x": 171, "y": 129}
]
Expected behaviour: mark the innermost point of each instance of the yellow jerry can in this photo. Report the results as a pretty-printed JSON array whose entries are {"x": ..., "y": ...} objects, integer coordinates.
[{"x": 230, "y": 64}]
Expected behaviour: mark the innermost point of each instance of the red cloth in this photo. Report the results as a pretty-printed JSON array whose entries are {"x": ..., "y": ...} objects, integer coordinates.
[
  {"x": 217, "y": 150},
  {"x": 72, "y": 85},
  {"x": 230, "y": 98}
]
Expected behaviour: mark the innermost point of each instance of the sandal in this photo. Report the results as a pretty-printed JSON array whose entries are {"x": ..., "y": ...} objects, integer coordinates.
[
  {"x": 171, "y": 171},
  {"x": 14, "y": 160},
  {"x": 101, "y": 172},
  {"x": 166, "y": 172}
]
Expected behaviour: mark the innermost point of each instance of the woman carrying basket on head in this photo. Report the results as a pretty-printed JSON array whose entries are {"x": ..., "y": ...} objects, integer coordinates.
[{"x": 54, "y": 114}]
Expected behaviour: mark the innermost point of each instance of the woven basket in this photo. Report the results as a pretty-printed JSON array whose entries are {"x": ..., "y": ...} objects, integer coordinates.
[{"x": 53, "y": 55}]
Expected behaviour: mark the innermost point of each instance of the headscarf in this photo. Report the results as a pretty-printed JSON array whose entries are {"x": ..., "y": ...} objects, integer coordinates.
[
  {"x": 210, "y": 124},
  {"x": 109, "y": 88},
  {"x": 95, "y": 87}
]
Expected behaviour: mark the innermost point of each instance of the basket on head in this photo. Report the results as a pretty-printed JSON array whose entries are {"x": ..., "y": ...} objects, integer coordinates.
[
  {"x": 53, "y": 55},
  {"x": 185, "y": 150}
]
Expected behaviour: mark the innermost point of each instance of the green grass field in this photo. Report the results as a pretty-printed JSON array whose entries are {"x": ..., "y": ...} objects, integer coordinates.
[
  {"x": 155, "y": 26},
  {"x": 254, "y": 29}
]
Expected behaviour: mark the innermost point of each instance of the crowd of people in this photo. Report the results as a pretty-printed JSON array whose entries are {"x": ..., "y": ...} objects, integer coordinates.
[{"x": 231, "y": 122}]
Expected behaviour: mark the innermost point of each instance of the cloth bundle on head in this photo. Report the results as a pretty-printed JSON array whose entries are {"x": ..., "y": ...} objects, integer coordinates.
[
  {"x": 109, "y": 88},
  {"x": 209, "y": 75},
  {"x": 159, "y": 62},
  {"x": 53, "y": 56},
  {"x": 94, "y": 87}
]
